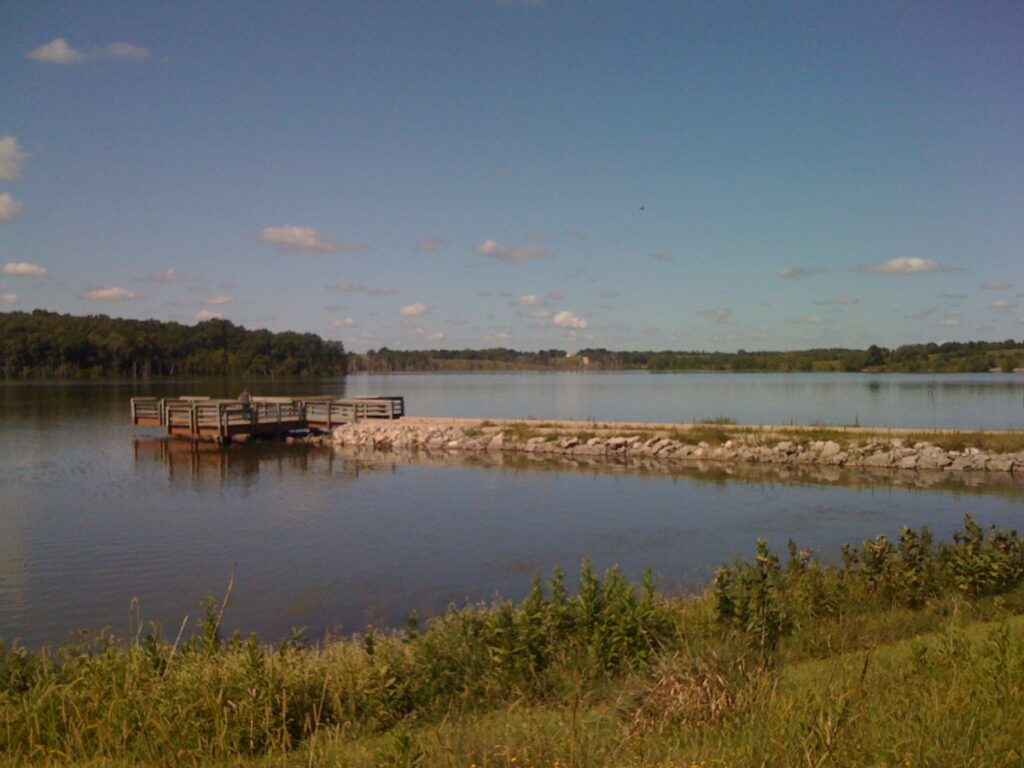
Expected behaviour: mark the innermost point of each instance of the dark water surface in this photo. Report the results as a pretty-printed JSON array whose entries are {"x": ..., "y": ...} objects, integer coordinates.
[{"x": 94, "y": 513}]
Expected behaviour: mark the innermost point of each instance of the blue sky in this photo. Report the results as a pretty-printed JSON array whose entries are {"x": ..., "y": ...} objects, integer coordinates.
[{"x": 525, "y": 174}]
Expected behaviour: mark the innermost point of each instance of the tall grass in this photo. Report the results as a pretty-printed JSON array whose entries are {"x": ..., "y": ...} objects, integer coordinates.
[{"x": 608, "y": 673}]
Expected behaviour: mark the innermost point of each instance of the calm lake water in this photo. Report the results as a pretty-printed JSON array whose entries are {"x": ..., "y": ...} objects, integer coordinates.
[{"x": 94, "y": 514}]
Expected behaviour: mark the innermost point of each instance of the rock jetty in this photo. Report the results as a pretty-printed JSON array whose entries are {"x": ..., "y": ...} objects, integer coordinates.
[{"x": 751, "y": 445}]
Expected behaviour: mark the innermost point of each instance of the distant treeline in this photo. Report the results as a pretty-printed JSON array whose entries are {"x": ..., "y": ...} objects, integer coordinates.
[
  {"x": 44, "y": 344},
  {"x": 386, "y": 360},
  {"x": 50, "y": 345},
  {"x": 950, "y": 357}
]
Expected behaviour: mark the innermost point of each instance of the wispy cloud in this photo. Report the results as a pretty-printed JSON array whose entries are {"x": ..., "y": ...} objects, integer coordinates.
[
  {"x": 837, "y": 301},
  {"x": 414, "y": 309},
  {"x": 1002, "y": 305},
  {"x": 956, "y": 296},
  {"x": 114, "y": 293},
  {"x": 291, "y": 239},
  {"x": 908, "y": 265},
  {"x": 9, "y": 207},
  {"x": 429, "y": 244},
  {"x": 950, "y": 319},
  {"x": 995, "y": 285},
  {"x": 167, "y": 276},
  {"x": 218, "y": 301},
  {"x": 566, "y": 319},
  {"x": 365, "y": 290},
  {"x": 10, "y": 298},
  {"x": 59, "y": 51},
  {"x": 125, "y": 51},
  {"x": 25, "y": 269},
  {"x": 795, "y": 273},
  {"x": 719, "y": 314},
  {"x": 540, "y": 314},
  {"x": 809, "y": 320},
  {"x": 348, "y": 322},
  {"x": 663, "y": 257},
  {"x": 12, "y": 158},
  {"x": 492, "y": 249},
  {"x": 529, "y": 300}
]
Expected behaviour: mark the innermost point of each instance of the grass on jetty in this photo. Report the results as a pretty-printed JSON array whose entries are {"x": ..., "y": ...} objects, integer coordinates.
[
  {"x": 718, "y": 431},
  {"x": 907, "y": 653}
]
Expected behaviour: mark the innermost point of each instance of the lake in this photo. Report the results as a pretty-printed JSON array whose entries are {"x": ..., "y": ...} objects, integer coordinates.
[{"x": 96, "y": 516}]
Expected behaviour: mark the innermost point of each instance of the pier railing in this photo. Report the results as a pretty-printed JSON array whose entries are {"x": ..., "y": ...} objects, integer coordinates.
[{"x": 323, "y": 414}]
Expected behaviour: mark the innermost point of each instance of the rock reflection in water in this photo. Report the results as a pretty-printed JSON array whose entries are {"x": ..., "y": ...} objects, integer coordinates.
[{"x": 715, "y": 472}]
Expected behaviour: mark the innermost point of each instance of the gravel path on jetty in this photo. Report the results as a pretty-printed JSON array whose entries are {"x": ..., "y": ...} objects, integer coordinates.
[{"x": 904, "y": 449}]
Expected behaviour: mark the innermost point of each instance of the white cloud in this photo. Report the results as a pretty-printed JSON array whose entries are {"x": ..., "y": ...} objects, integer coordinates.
[
  {"x": 9, "y": 207},
  {"x": 206, "y": 314},
  {"x": 566, "y": 319},
  {"x": 719, "y": 314},
  {"x": 218, "y": 301},
  {"x": 11, "y": 158},
  {"x": 1002, "y": 305},
  {"x": 414, "y": 309},
  {"x": 430, "y": 244},
  {"x": 439, "y": 336},
  {"x": 348, "y": 322},
  {"x": 529, "y": 300},
  {"x": 126, "y": 51},
  {"x": 25, "y": 269},
  {"x": 949, "y": 322},
  {"x": 995, "y": 285},
  {"x": 111, "y": 294},
  {"x": 364, "y": 289},
  {"x": 908, "y": 265},
  {"x": 306, "y": 240},
  {"x": 795, "y": 273},
  {"x": 492, "y": 249},
  {"x": 57, "y": 51},
  {"x": 10, "y": 298}
]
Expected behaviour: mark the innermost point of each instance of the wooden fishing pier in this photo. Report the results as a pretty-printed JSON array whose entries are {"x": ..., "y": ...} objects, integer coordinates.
[{"x": 222, "y": 420}]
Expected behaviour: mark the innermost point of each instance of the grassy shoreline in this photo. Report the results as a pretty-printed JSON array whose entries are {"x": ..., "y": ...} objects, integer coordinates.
[{"x": 908, "y": 651}]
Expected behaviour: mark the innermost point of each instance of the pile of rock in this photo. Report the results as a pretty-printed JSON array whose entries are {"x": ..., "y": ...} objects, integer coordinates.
[{"x": 895, "y": 454}]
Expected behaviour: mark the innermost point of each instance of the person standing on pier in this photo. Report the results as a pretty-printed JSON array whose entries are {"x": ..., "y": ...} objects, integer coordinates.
[{"x": 246, "y": 400}]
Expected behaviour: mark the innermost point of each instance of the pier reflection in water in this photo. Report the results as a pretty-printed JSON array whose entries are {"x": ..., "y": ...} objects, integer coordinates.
[{"x": 193, "y": 461}]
